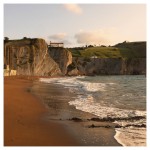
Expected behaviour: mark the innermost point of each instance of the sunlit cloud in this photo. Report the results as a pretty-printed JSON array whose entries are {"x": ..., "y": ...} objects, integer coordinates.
[
  {"x": 66, "y": 42},
  {"x": 73, "y": 8},
  {"x": 98, "y": 37},
  {"x": 58, "y": 36}
]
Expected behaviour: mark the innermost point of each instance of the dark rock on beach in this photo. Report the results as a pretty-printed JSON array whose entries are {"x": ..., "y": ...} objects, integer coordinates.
[{"x": 76, "y": 119}]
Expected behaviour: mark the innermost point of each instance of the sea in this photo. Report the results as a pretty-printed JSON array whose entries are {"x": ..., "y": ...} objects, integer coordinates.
[{"x": 118, "y": 98}]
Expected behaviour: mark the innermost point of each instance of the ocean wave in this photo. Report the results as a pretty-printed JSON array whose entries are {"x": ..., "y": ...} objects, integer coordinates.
[
  {"x": 74, "y": 82},
  {"x": 127, "y": 134},
  {"x": 85, "y": 97},
  {"x": 131, "y": 136}
]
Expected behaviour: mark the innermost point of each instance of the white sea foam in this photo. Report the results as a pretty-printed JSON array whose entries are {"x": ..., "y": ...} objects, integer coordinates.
[
  {"x": 74, "y": 82},
  {"x": 131, "y": 136},
  {"x": 85, "y": 102}
]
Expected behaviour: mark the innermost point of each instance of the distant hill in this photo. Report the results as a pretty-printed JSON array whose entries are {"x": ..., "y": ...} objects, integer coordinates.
[{"x": 120, "y": 50}]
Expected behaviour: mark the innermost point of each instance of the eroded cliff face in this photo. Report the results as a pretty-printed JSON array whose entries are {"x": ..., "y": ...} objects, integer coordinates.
[
  {"x": 33, "y": 57},
  {"x": 107, "y": 66},
  {"x": 30, "y": 57},
  {"x": 62, "y": 57}
]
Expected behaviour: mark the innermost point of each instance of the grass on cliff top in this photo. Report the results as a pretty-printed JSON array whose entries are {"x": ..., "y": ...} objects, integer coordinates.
[
  {"x": 24, "y": 41},
  {"x": 128, "y": 51}
]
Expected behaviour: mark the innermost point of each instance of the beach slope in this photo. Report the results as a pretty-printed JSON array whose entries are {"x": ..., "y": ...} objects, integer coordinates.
[{"x": 24, "y": 123}]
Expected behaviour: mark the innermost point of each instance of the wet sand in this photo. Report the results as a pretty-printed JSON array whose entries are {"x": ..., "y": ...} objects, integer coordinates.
[{"x": 23, "y": 118}]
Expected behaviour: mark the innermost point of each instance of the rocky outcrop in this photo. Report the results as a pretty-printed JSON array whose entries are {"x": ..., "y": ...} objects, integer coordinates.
[
  {"x": 62, "y": 57},
  {"x": 74, "y": 72},
  {"x": 107, "y": 66},
  {"x": 30, "y": 57}
]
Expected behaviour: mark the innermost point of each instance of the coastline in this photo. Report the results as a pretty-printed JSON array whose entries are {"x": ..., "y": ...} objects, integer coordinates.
[
  {"x": 23, "y": 123},
  {"x": 56, "y": 99},
  {"x": 70, "y": 102}
]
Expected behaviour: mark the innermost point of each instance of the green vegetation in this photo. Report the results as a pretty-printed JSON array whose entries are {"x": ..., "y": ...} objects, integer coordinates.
[{"x": 121, "y": 50}]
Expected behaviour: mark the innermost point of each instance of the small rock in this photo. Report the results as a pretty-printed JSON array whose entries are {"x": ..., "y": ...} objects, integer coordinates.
[{"x": 76, "y": 119}]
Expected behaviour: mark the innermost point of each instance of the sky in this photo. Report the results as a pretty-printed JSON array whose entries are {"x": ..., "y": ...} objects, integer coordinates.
[{"x": 76, "y": 24}]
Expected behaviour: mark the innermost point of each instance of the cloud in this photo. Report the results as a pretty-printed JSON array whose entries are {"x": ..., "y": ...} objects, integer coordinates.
[
  {"x": 58, "y": 36},
  {"x": 66, "y": 42},
  {"x": 73, "y": 8},
  {"x": 100, "y": 36}
]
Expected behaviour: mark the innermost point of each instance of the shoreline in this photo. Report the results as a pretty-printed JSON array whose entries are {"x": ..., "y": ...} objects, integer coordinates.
[
  {"x": 29, "y": 121},
  {"x": 56, "y": 98},
  {"x": 67, "y": 94},
  {"x": 23, "y": 123},
  {"x": 117, "y": 138}
]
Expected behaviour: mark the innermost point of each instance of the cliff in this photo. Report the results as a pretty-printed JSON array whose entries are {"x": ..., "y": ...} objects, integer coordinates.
[
  {"x": 127, "y": 58},
  {"x": 34, "y": 57},
  {"x": 107, "y": 66},
  {"x": 62, "y": 57},
  {"x": 30, "y": 57}
]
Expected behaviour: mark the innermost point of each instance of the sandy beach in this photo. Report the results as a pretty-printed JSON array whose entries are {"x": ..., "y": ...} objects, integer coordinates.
[
  {"x": 38, "y": 114},
  {"x": 23, "y": 123}
]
